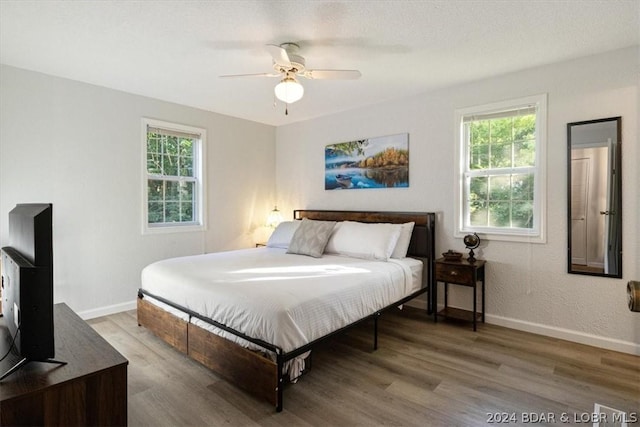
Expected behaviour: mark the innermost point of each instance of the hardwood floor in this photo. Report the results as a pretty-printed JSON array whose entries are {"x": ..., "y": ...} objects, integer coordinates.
[{"x": 423, "y": 374}]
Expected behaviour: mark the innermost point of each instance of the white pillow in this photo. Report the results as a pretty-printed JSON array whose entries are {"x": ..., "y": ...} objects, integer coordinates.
[
  {"x": 281, "y": 236},
  {"x": 402, "y": 246},
  {"x": 362, "y": 240}
]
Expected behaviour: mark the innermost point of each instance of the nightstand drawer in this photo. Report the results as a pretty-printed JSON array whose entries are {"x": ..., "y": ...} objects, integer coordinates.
[{"x": 454, "y": 274}]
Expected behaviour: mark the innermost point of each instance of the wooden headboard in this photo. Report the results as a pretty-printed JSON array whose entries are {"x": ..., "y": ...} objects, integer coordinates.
[{"x": 422, "y": 240}]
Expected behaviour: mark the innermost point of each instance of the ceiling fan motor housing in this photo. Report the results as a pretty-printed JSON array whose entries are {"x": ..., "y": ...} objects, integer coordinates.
[{"x": 297, "y": 62}]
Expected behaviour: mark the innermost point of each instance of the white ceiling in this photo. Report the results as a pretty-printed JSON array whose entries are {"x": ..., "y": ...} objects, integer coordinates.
[{"x": 175, "y": 50}]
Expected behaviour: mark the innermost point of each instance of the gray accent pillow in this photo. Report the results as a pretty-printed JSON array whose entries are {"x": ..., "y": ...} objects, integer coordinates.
[{"x": 311, "y": 237}]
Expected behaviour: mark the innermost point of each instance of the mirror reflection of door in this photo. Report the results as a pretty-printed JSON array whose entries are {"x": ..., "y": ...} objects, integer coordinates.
[
  {"x": 579, "y": 202},
  {"x": 589, "y": 188},
  {"x": 595, "y": 209}
]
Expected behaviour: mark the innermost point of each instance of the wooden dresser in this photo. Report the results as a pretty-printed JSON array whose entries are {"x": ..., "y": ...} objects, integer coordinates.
[{"x": 91, "y": 389}]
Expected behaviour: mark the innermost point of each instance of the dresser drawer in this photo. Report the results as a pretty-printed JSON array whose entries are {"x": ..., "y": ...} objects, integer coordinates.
[{"x": 459, "y": 274}]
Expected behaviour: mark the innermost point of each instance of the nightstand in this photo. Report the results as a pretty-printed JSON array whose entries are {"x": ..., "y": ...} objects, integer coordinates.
[{"x": 463, "y": 273}]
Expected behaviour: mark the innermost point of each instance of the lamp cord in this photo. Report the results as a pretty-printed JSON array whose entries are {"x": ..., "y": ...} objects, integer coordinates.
[{"x": 13, "y": 341}]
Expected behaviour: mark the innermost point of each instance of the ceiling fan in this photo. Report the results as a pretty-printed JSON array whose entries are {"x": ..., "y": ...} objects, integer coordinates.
[{"x": 288, "y": 64}]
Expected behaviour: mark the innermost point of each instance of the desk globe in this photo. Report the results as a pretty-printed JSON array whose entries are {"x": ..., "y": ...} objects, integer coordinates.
[{"x": 471, "y": 241}]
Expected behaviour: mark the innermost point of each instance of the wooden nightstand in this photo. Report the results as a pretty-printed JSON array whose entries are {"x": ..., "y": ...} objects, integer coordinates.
[{"x": 463, "y": 273}]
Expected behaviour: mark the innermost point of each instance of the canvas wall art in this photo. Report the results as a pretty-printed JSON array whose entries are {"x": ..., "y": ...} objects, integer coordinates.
[{"x": 380, "y": 162}]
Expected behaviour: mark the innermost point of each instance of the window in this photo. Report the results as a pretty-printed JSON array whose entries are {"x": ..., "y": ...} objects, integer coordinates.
[
  {"x": 173, "y": 177},
  {"x": 501, "y": 179}
]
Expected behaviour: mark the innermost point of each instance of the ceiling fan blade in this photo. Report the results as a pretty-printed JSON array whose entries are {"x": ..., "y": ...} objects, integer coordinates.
[
  {"x": 332, "y": 74},
  {"x": 279, "y": 55},
  {"x": 252, "y": 75}
]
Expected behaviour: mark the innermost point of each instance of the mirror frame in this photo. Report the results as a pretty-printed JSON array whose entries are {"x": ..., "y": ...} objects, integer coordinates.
[
  {"x": 617, "y": 176},
  {"x": 618, "y": 202}
]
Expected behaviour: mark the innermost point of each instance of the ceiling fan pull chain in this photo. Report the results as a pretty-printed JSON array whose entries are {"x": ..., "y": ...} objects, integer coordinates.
[{"x": 286, "y": 109}]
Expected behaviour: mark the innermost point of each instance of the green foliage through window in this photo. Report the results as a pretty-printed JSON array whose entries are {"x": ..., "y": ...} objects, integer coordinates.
[
  {"x": 171, "y": 183},
  {"x": 500, "y": 171}
]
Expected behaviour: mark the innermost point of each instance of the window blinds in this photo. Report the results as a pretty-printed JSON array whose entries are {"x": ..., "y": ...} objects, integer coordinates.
[
  {"x": 171, "y": 132},
  {"x": 522, "y": 111}
]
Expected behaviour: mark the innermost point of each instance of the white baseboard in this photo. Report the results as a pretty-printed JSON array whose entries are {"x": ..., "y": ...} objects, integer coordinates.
[
  {"x": 105, "y": 311},
  {"x": 554, "y": 332},
  {"x": 565, "y": 334}
]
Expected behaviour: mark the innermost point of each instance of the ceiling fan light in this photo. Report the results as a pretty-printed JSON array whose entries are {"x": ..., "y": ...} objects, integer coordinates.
[{"x": 289, "y": 90}]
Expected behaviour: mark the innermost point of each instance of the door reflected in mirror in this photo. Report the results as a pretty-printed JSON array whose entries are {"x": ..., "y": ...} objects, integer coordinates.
[{"x": 594, "y": 192}]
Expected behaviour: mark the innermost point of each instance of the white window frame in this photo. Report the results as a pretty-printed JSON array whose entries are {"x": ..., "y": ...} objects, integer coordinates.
[
  {"x": 462, "y": 227},
  {"x": 199, "y": 173}
]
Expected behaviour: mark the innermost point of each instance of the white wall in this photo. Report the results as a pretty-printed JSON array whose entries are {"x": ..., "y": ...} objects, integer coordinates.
[
  {"x": 528, "y": 287},
  {"x": 79, "y": 147}
]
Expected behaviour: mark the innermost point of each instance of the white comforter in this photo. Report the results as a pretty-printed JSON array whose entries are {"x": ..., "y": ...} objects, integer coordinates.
[{"x": 286, "y": 300}]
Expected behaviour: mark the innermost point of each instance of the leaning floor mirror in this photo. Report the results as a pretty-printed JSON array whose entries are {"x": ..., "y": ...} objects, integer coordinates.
[{"x": 594, "y": 193}]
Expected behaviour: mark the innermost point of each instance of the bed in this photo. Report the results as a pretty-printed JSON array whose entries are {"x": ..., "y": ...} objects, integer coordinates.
[{"x": 254, "y": 315}]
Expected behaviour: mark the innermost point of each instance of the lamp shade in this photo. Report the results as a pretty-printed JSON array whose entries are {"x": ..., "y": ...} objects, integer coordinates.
[
  {"x": 274, "y": 218},
  {"x": 289, "y": 90}
]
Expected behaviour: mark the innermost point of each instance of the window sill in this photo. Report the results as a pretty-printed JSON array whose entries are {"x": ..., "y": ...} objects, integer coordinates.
[
  {"x": 503, "y": 237},
  {"x": 166, "y": 229}
]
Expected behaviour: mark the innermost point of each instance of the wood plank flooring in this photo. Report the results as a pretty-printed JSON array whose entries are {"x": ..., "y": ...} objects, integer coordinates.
[{"x": 423, "y": 374}]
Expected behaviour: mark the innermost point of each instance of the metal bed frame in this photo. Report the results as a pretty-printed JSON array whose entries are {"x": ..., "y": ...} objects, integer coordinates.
[{"x": 422, "y": 246}]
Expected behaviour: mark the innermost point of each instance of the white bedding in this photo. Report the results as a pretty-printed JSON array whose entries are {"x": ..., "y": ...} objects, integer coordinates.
[{"x": 284, "y": 299}]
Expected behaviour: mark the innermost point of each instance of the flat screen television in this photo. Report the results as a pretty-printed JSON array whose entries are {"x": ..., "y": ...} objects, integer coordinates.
[{"x": 27, "y": 284}]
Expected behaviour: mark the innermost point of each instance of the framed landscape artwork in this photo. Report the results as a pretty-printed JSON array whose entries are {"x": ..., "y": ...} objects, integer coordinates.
[{"x": 381, "y": 162}]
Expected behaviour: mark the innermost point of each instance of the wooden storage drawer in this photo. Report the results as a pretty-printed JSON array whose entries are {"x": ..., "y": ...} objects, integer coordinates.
[{"x": 451, "y": 273}]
